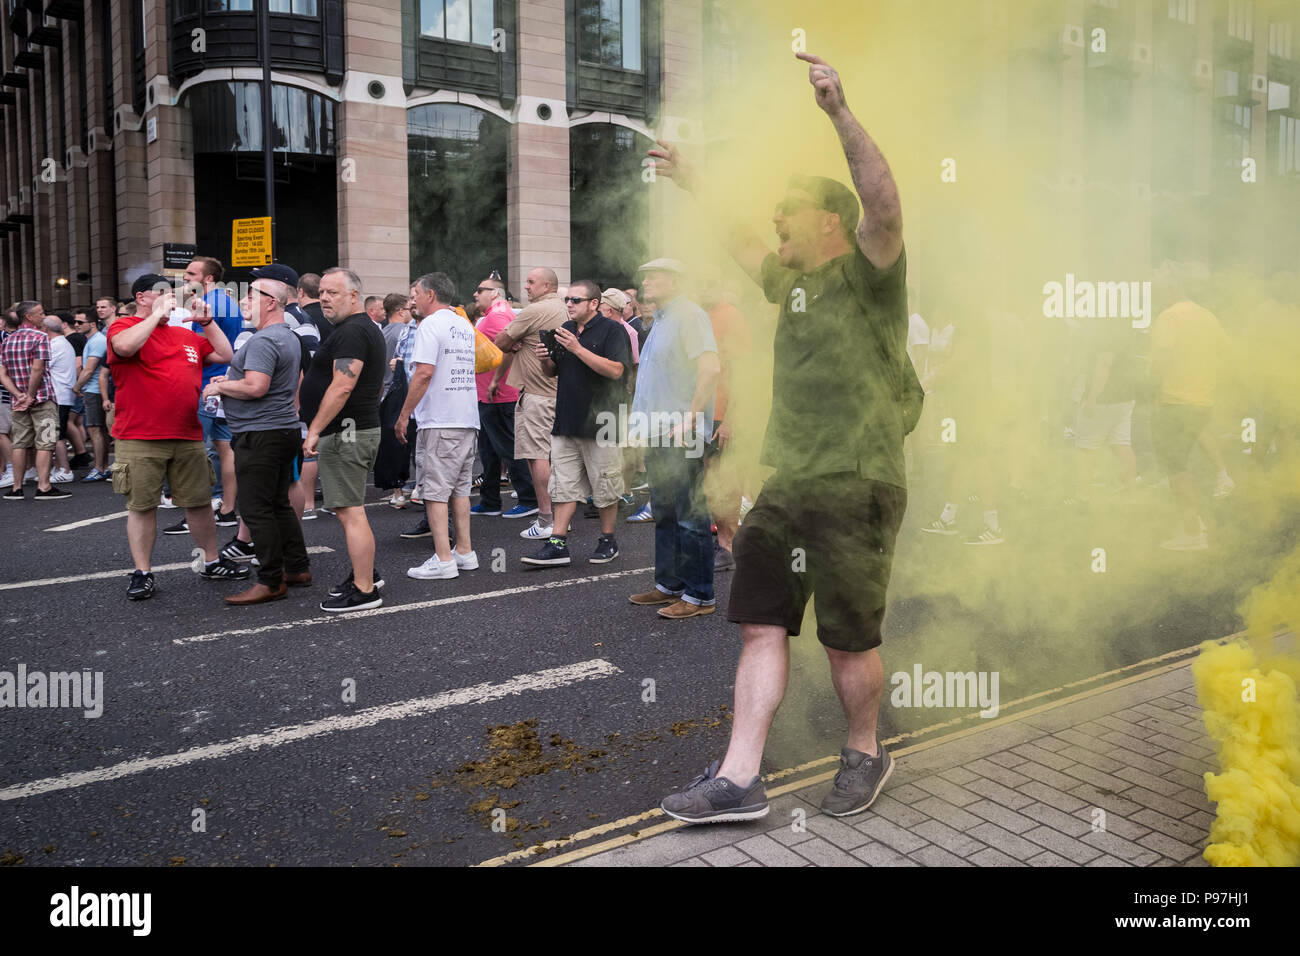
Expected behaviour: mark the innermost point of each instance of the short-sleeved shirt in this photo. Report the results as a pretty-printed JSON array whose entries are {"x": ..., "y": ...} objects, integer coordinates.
[
  {"x": 20, "y": 351},
  {"x": 78, "y": 342},
  {"x": 582, "y": 394},
  {"x": 392, "y": 333},
  {"x": 445, "y": 340},
  {"x": 63, "y": 369},
  {"x": 1116, "y": 337},
  {"x": 158, "y": 387},
  {"x": 666, "y": 376},
  {"x": 273, "y": 351},
  {"x": 526, "y": 373},
  {"x": 96, "y": 348},
  {"x": 491, "y": 325},
  {"x": 1194, "y": 341},
  {"x": 840, "y": 368},
  {"x": 224, "y": 309},
  {"x": 356, "y": 337}
]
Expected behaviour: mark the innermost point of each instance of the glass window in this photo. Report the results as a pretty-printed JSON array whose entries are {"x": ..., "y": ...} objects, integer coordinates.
[
  {"x": 456, "y": 177},
  {"x": 467, "y": 21},
  {"x": 1279, "y": 96},
  {"x": 235, "y": 5},
  {"x": 609, "y": 33},
  {"x": 609, "y": 205},
  {"x": 302, "y": 8},
  {"x": 302, "y": 120}
]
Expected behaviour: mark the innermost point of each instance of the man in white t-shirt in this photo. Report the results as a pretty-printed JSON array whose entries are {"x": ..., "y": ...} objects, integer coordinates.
[
  {"x": 443, "y": 395},
  {"x": 63, "y": 373}
]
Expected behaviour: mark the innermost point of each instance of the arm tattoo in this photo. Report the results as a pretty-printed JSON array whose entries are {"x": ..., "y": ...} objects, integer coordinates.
[{"x": 343, "y": 366}]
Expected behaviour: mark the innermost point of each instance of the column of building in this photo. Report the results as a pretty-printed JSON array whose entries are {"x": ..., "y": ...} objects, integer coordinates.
[
  {"x": 74, "y": 165},
  {"x": 169, "y": 146},
  {"x": 100, "y": 173},
  {"x": 130, "y": 172},
  {"x": 680, "y": 118}
]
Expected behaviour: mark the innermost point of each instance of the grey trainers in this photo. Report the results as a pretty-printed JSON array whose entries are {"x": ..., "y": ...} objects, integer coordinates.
[
  {"x": 713, "y": 799},
  {"x": 859, "y": 782}
]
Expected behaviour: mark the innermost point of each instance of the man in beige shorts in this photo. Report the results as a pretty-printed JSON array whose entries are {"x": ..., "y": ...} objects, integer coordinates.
[{"x": 535, "y": 414}]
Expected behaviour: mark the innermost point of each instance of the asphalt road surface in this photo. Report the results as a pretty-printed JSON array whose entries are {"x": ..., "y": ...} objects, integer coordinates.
[{"x": 226, "y": 738}]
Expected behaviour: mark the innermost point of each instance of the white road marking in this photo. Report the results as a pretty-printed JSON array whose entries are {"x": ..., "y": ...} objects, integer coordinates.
[
  {"x": 88, "y": 521},
  {"x": 399, "y": 608},
  {"x": 99, "y": 575},
  {"x": 550, "y": 679}
]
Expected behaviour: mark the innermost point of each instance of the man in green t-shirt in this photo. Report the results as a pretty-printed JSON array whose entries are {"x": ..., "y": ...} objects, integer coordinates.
[{"x": 844, "y": 394}]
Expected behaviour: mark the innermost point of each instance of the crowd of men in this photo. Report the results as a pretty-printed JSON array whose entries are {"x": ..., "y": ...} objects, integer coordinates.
[{"x": 232, "y": 409}]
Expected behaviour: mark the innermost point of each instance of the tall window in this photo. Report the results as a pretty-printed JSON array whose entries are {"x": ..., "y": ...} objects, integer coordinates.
[
  {"x": 302, "y": 8},
  {"x": 1241, "y": 19},
  {"x": 609, "y": 33},
  {"x": 1183, "y": 10},
  {"x": 609, "y": 208},
  {"x": 469, "y": 21},
  {"x": 1279, "y": 39}
]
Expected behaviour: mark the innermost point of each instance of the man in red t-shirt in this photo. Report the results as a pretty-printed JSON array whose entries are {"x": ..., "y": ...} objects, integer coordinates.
[{"x": 157, "y": 370}]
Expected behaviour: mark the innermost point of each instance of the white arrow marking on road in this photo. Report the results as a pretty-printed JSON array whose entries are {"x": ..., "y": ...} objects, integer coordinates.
[
  {"x": 98, "y": 575},
  {"x": 399, "y": 608},
  {"x": 550, "y": 679}
]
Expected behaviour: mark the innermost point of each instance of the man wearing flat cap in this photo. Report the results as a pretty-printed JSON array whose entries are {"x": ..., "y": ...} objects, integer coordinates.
[{"x": 258, "y": 393}]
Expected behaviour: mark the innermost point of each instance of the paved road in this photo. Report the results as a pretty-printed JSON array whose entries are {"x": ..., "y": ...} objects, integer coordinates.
[{"x": 534, "y": 701}]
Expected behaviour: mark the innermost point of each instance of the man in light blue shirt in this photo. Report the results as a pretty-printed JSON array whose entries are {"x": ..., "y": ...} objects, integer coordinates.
[
  {"x": 93, "y": 358},
  {"x": 672, "y": 415}
]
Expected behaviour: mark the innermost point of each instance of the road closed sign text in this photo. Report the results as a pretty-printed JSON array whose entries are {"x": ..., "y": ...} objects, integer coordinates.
[{"x": 250, "y": 242}]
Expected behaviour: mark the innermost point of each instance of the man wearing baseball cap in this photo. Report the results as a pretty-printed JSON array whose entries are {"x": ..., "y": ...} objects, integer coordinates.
[
  {"x": 258, "y": 393},
  {"x": 157, "y": 372}
]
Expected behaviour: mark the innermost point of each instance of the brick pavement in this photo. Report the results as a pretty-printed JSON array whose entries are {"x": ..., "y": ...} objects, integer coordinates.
[{"x": 1113, "y": 779}]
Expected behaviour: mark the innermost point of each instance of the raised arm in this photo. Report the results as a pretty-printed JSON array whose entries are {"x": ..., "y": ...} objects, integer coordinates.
[{"x": 880, "y": 233}]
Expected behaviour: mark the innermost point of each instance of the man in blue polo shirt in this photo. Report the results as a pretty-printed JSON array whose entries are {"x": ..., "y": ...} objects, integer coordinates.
[{"x": 203, "y": 276}]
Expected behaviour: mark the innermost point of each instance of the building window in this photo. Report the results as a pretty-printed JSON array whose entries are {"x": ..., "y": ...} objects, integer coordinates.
[
  {"x": 1279, "y": 39},
  {"x": 468, "y": 21},
  {"x": 609, "y": 33},
  {"x": 1288, "y": 145},
  {"x": 1241, "y": 19},
  {"x": 456, "y": 181},
  {"x": 300, "y": 8},
  {"x": 241, "y": 6},
  {"x": 1182, "y": 10},
  {"x": 609, "y": 204}
]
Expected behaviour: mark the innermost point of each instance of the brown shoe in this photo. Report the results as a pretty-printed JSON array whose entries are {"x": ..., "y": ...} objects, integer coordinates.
[
  {"x": 652, "y": 597},
  {"x": 686, "y": 609},
  {"x": 257, "y": 594},
  {"x": 297, "y": 579}
]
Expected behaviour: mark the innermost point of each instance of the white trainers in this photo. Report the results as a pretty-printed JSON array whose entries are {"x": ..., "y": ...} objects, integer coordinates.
[
  {"x": 465, "y": 562},
  {"x": 1187, "y": 542},
  {"x": 537, "y": 531},
  {"x": 7, "y": 478},
  {"x": 61, "y": 475},
  {"x": 165, "y": 502},
  {"x": 30, "y": 475},
  {"x": 939, "y": 526},
  {"x": 435, "y": 570}
]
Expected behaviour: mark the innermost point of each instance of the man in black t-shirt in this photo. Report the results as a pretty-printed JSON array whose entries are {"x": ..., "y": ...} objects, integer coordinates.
[
  {"x": 586, "y": 458},
  {"x": 340, "y": 400}
]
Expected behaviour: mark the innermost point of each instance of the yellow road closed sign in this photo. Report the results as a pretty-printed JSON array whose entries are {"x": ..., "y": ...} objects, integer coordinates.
[{"x": 250, "y": 242}]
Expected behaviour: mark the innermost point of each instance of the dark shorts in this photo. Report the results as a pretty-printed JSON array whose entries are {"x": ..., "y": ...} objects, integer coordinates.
[
  {"x": 797, "y": 542},
  {"x": 64, "y": 412},
  {"x": 1174, "y": 430},
  {"x": 94, "y": 410}
]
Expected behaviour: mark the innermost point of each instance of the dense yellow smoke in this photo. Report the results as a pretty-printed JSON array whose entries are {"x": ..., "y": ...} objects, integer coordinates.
[{"x": 1015, "y": 169}]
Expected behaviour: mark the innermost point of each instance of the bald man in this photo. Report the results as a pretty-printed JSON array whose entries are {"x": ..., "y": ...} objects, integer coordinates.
[{"x": 522, "y": 369}]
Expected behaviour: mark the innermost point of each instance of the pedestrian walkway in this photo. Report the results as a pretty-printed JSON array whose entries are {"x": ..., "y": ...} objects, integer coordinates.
[{"x": 1110, "y": 777}]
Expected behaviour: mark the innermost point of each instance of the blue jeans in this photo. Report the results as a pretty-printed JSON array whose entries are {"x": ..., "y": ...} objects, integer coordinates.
[
  {"x": 214, "y": 430},
  {"x": 683, "y": 541},
  {"x": 496, "y": 444}
]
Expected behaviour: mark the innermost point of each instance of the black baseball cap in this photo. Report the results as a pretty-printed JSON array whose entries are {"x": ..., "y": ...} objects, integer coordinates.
[
  {"x": 278, "y": 272},
  {"x": 148, "y": 282}
]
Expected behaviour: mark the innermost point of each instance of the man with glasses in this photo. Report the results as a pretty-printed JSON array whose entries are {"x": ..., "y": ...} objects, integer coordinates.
[
  {"x": 93, "y": 359},
  {"x": 840, "y": 283},
  {"x": 496, "y": 437},
  {"x": 340, "y": 399},
  {"x": 258, "y": 393},
  {"x": 586, "y": 458},
  {"x": 522, "y": 369}
]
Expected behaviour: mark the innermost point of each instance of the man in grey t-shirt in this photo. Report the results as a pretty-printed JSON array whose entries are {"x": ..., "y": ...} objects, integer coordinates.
[{"x": 260, "y": 397}]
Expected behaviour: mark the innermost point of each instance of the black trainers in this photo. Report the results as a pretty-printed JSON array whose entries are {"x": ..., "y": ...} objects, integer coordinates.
[
  {"x": 421, "y": 530},
  {"x": 52, "y": 493},
  {"x": 344, "y": 586},
  {"x": 606, "y": 550},
  {"x": 83, "y": 460},
  {"x": 226, "y": 519},
  {"x": 180, "y": 527},
  {"x": 713, "y": 799},
  {"x": 353, "y": 600},
  {"x": 238, "y": 550},
  {"x": 554, "y": 552},
  {"x": 223, "y": 569},
  {"x": 12, "y": 495},
  {"x": 722, "y": 559},
  {"x": 141, "y": 586},
  {"x": 859, "y": 782}
]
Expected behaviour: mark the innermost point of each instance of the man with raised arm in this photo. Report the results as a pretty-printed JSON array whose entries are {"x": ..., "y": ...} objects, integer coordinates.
[{"x": 840, "y": 281}]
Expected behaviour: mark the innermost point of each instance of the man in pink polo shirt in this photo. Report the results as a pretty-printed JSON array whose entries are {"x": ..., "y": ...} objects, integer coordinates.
[{"x": 496, "y": 436}]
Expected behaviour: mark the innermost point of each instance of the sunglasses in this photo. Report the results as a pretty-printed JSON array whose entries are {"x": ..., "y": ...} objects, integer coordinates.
[
  {"x": 483, "y": 289},
  {"x": 576, "y": 300}
]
